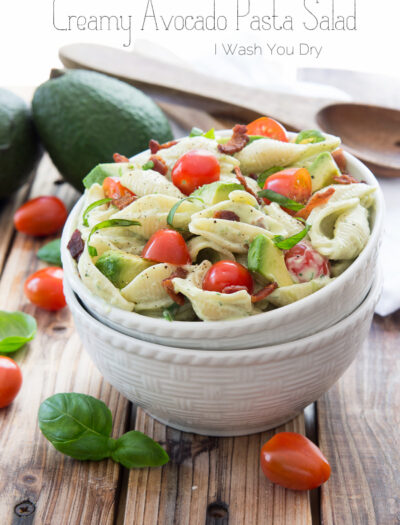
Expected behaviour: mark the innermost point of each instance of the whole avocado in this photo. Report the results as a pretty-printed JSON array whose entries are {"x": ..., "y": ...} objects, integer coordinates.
[
  {"x": 84, "y": 117},
  {"x": 19, "y": 143}
]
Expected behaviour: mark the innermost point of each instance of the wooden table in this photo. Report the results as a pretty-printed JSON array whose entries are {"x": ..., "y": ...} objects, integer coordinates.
[{"x": 213, "y": 481}]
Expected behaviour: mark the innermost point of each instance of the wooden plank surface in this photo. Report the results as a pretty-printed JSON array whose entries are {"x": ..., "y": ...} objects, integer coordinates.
[{"x": 359, "y": 427}]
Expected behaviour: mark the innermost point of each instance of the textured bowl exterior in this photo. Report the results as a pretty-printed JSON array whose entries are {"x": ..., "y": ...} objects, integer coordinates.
[
  {"x": 305, "y": 317},
  {"x": 228, "y": 393}
]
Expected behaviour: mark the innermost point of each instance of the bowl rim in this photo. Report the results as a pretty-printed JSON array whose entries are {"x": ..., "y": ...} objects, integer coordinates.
[
  {"x": 146, "y": 324},
  {"x": 226, "y": 358}
]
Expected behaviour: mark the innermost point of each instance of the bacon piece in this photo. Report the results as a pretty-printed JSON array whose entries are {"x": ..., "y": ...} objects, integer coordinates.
[
  {"x": 264, "y": 292},
  {"x": 240, "y": 177},
  {"x": 233, "y": 288},
  {"x": 159, "y": 165},
  {"x": 346, "y": 179},
  {"x": 318, "y": 199},
  {"x": 237, "y": 142},
  {"x": 253, "y": 176},
  {"x": 124, "y": 201},
  {"x": 340, "y": 159},
  {"x": 76, "y": 245},
  {"x": 226, "y": 215},
  {"x": 169, "y": 285},
  {"x": 155, "y": 146},
  {"x": 120, "y": 158}
]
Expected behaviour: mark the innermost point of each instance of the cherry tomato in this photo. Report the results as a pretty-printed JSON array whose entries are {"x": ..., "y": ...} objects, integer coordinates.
[
  {"x": 228, "y": 277},
  {"x": 113, "y": 188},
  {"x": 267, "y": 127},
  {"x": 10, "y": 380},
  {"x": 167, "y": 246},
  {"x": 44, "y": 288},
  {"x": 41, "y": 216},
  {"x": 304, "y": 263},
  {"x": 293, "y": 183},
  {"x": 294, "y": 462},
  {"x": 194, "y": 169}
]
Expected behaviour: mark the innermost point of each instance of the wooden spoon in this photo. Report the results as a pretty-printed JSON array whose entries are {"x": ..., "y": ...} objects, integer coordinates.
[{"x": 171, "y": 82}]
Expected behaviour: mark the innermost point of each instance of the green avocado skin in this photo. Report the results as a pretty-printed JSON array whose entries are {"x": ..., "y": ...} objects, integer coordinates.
[
  {"x": 19, "y": 143},
  {"x": 84, "y": 117}
]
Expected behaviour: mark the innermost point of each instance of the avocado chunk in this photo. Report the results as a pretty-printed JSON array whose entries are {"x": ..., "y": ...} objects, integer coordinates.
[
  {"x": 322, "y": 170},
  {"x": 216, "y": 192},
  {"x": 309, "y": 136},
  {"x": 267, "y": 260},
  {"x": 120, "y": 267},
  {"x": 102, "y": 171}
]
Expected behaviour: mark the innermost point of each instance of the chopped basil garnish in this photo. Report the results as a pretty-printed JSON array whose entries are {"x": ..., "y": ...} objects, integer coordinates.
[
  {"x": 267, "y": 173},
  {"x": 110, "y": 223},
  {"x": 210, "y": 134},
  {"x": 148, "y": 166},
  {"x": 281, "y": 200},
  {"x": 309, "y": 136},
  {"x": 170, "y": 312},
  {"x": 289, "y": 242},
  {"x": 197, "y": 132},
  {"x": 90, "y": 208},
  {"x": 172, "y": 211},
  {"x": 252, "y": 138}
]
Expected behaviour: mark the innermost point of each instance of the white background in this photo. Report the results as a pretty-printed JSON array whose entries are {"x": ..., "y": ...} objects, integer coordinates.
[{"x": 30, "y": 43}]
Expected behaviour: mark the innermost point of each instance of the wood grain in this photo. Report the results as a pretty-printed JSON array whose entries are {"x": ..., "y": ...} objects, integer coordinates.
[
  {"x": 211, "y": 481},
  {"x": 359, "y": 422},
  {"x": 53, "y": 489}
]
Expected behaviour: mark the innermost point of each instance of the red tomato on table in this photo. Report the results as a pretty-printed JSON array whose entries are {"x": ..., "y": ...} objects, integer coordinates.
[
  {"x": 113, "y": 188},
  {"x": 294, "y": 462},
  {"x": 44, "y": 288},
  {"x": 167, "y": 246},
  {"x": 304, "y": 263},
  {"x": 228, "y": 277},
  {"x": 293, "y": 183},
  {"x": 194, "y": 169},
  {"x": 41, "y": 216},
  {"x": 10, "y": 380},
  {"x": 267, "y": 127}
]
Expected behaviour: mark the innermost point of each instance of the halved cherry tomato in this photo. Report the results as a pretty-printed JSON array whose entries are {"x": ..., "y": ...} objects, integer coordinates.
[
  {"x": 267, "y": 127},
  {"x": 10, "y": 380},
  {"x": 167, "y": 246},
  {"x": 41, "y": 216},
  {"x": 228, "y": 277},
  {"x": 293, "y": 183},
  {"x": 44, "y": 288},
  {"x": 304, "y": 263},
  {"x": 113, "y": 188},
  {"x": 194, "y": 169},
  {"x": 294, "y": 462}
]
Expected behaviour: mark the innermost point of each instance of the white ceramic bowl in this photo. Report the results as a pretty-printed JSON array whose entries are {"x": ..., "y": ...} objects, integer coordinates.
[
  {"x": 307, "y": 316},
  {"x": 224, "y": 393}
]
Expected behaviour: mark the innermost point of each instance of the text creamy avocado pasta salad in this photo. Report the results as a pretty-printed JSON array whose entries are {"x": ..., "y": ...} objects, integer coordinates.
[{"x": 216, "y": 227}]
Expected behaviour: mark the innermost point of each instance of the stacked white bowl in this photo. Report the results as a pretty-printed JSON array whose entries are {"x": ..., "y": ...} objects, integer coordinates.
[{"x": 237, "y": 377}]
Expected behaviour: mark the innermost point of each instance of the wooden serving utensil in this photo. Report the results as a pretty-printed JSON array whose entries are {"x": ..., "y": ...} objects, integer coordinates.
[{"x": 377, "y": 145}]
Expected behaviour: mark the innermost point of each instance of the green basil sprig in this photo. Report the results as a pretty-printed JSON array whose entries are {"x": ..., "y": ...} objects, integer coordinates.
[
  {"x": 51, "y": 252},
  {"x": 281, "y": 200},
  {"x": 149, "y": 165},
  {"x": 110, "y": 223},
  {"x": 170, "y": 312},
  {"x": 16, "y": 329},
  {"x": 289, "y": 242},
  {"x": 267, "y": 173},
  {"x": 91, "y": 207},
  {"x": 80, "y": 426},
  {"x": 197, "y": 132},
  {"x": 174, "y": 208}
]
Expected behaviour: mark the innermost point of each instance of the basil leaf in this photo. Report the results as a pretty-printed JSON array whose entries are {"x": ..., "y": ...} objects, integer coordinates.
[
  {"x": 252, "y": 138},
  {"x": 77, "y": 425},
  {"x": 136, "y": 450},
  {"x": 51, "y": 252},
  {"x": 172, "y": 211},
  {"x": 148, "y": 166},
  {"x": 16, "y": 329},
  {"x": 267, "y": 173},
  {"x": 110, "y": 223},
  {"x": 289, "y": 242},
  {"x": 281, "y": 200},
  {"x": 169, "y": 313},
  {"x": 196, "y": 132},
  {"x": 309, "y": 136},
  {"x": 90, "y": 208}
]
